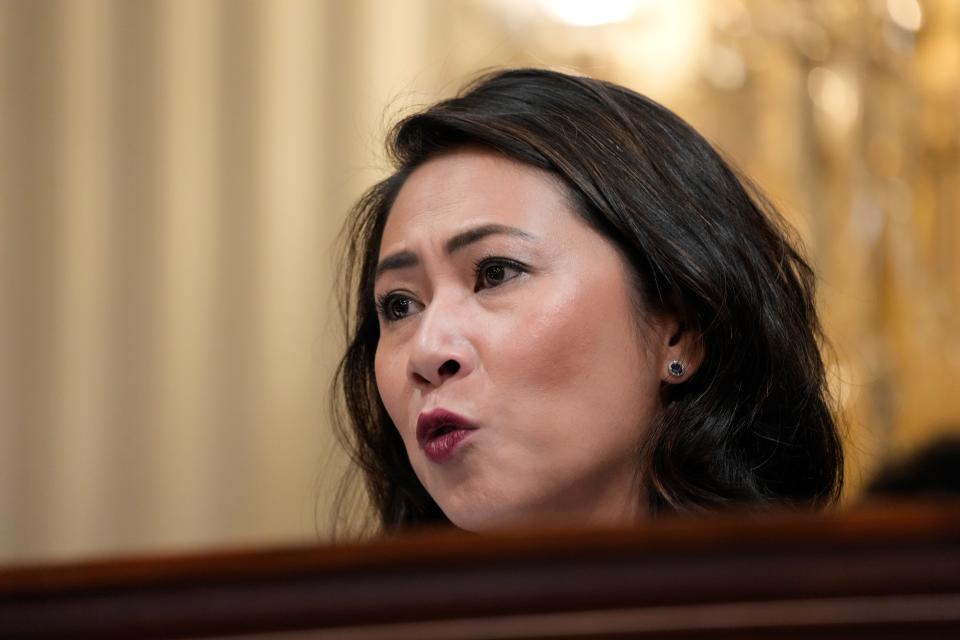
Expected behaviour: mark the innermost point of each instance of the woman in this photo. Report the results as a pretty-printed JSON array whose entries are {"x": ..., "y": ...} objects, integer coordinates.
[{"x": 565, "y": 307}]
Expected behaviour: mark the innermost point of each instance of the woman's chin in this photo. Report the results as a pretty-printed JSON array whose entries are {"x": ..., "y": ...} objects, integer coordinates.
[{"x": 479, "y": 520}]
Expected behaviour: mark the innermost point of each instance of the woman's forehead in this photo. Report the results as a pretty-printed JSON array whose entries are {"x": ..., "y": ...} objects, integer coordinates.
[{"x": 472, "y": 187}]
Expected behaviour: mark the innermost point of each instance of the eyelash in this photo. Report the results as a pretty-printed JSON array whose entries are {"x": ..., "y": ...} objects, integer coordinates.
[
  {"x": 385, "y": 301},
  {"x": 490, "y": 261}
]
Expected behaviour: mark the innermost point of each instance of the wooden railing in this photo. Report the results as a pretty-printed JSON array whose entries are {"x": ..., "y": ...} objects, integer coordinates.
[{"x": 879, "y": 572}]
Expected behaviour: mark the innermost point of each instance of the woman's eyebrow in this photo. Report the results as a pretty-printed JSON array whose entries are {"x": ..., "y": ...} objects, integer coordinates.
[
  {"x": 404, "y": 259},
  {"x": 399, "y": 260},
  {"x": 476, "y": 234}
]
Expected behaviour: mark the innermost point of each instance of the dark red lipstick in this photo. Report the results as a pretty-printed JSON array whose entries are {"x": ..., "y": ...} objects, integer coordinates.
[{"x": 439, "y": 432}]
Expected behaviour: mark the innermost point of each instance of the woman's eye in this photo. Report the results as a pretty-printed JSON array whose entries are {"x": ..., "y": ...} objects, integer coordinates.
[
  {"x": 493, "y": 273},
  {"x": 394, "y": 306}
]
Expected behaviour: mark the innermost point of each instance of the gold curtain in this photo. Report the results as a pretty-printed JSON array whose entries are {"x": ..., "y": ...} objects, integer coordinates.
[{"x": 172, "y": 178}]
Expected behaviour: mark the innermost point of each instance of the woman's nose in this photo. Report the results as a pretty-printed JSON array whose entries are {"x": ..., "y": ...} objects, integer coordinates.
[{"x": 441, "y": 350}]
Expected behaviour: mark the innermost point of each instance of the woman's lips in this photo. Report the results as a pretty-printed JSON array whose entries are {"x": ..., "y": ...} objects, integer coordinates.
[{"x": 439, "y": 432}]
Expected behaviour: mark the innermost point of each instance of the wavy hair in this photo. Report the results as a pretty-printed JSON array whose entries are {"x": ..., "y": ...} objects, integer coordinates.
[{"x": 753, "y": 427}]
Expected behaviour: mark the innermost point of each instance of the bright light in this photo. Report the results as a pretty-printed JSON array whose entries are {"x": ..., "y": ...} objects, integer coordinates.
[
  {"x": 834, "y": 94},
  {"x": 725, "y": 68},
  {"x": 588, "y": 13},
  {"x": 906, "y": 14}
]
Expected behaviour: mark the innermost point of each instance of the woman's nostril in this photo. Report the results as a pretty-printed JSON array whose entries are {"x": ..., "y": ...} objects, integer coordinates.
[{"x": 449, "y": 368}]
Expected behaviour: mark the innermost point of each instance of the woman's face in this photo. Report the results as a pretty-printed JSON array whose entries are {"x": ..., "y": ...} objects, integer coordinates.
[{"x": 510, "y": 336}]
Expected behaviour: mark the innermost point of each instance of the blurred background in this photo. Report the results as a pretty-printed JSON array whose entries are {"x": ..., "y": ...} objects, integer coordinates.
[{"x": 174, "y": 173}]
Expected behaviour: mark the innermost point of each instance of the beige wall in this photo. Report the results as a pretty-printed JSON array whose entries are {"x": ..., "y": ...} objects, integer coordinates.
[{"x": 173, "y": 174}]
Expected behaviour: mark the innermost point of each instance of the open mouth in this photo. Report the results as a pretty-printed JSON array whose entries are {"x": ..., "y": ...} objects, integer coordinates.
[
  {"x": 440, "y": 432},
  {"x": 439, "y": 422},
  {"x": 443, "y": 430}
]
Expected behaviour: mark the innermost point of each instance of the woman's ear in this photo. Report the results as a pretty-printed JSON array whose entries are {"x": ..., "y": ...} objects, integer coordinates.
[{"x": 682, "y": 352}]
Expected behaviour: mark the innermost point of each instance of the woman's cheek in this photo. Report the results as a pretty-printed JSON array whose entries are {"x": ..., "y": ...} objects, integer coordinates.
[
  {"x": 389, "y": 381},
  {"x": 555, "y": 337}
]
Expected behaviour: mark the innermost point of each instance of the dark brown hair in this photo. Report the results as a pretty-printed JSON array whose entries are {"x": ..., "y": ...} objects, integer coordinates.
[{"x": 753, "y": 426}]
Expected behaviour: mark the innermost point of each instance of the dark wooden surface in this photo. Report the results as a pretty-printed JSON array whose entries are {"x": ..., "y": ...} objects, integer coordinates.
[{"x": 888, "y": 571}]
